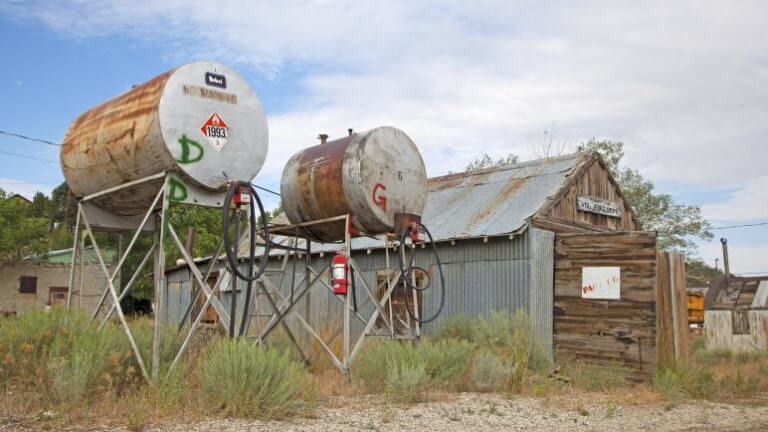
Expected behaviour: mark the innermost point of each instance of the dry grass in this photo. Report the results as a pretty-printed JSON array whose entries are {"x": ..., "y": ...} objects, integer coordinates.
[{"x": 58, "y": 363}]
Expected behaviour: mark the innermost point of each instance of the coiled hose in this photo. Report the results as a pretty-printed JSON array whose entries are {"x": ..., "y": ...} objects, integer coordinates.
[
  {"x": 231, "y": 251},
  {"x": 407, "y": 271}
]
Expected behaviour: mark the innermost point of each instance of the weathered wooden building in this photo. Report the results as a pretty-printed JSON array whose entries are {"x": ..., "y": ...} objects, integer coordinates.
[
  {"x": 553, "y": 237},
  {"x": 736, "y": 315}
]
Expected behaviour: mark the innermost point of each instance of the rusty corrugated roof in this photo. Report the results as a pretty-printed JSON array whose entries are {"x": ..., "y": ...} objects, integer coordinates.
[{"x": 494, "y": 201}]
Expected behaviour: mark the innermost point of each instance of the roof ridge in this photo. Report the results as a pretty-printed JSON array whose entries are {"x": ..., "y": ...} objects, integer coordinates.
[{"x": 524, "y": 164}]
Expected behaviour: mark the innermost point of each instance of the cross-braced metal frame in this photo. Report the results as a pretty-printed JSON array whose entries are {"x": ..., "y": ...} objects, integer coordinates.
[
  {"x": 156, "y": 219},
  {"x": 315, "y": 279}
]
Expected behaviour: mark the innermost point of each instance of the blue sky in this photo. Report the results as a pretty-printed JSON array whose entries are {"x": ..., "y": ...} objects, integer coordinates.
[{"x": 685, "y": 86}]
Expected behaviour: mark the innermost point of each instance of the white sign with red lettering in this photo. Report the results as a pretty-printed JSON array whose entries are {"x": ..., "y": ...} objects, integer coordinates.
[
  {"x": 216, "y": 131},
  {"x": 601, "y": 283}
]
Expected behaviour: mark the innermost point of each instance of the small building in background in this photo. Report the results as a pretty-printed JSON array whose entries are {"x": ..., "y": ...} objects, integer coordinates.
[
  {"x": 35, "y": 282},
  {"x": 736, "y": 315}
]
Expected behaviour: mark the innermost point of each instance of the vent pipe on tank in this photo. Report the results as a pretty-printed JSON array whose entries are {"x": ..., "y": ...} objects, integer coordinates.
[
  {"x": 323, "y": 138},
  {"x": 349, "y": 131}
]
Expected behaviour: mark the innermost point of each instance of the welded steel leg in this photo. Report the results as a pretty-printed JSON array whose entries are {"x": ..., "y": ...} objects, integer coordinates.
[
  {"x": 416, "y": 312},
  {"x": 160, "y": 229},
  {"x": 347, "y": 305},
  {"x": 113, "y": 292},
  {"x": 81, "y": 285},
  {"x": 389, "y": 285},
  {"x": 74, "y": 257}
]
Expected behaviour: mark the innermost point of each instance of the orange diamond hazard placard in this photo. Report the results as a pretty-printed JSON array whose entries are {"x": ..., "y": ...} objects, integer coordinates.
[{"x": 216, "y": 131}]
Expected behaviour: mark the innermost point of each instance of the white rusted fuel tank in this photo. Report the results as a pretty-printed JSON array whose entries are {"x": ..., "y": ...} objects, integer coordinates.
[
  {"x": 371, "y": 175},
  {"x": 201, "y": 120}
]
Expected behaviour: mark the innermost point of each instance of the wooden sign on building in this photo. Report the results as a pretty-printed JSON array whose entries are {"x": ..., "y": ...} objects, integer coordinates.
[{"x": 598, "y": 205}]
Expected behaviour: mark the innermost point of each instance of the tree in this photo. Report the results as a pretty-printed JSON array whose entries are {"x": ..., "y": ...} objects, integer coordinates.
[
  {"x": 677, "y": 224},
  {"x": 63, "y": 205},
  {"x": 21, "y": 232},
  {"x": 486, "y": 162},
  {"x": 698, "y": 273}
]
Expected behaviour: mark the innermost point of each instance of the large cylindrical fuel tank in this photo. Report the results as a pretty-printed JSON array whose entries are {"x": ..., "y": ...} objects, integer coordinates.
[
  {"x": 371, "y": 175},
  {"x": 201, "y": 120}
]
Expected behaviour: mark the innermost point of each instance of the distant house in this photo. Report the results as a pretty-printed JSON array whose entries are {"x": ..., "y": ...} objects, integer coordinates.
[
  {"x": 34, "y": 282},
  {"x": 21, "y": 198}
]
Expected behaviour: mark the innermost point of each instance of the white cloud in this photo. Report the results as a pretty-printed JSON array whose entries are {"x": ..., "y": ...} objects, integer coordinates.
[
  {"x": 747, "y": 203},
  {"x": 742, "y": 258},
  {"x": 684, "y": 84},
  {"x": 25, "y": 188}
]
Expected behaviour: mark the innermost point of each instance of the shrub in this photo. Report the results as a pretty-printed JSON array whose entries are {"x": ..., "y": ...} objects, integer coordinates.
[
  {"x": 736, "y": 385},
  {"x": 456, "y": 327},
  {"x": 446, "y": 361},
  {"x": 595, "y": 377},
  {"x": 682, "y": 381},
  {"x": 370, "y": 368},
  {"x": 65, "y": 354},
  {"x": 406, "y": 380},
  {"x": 489, "y": 371},
  {"x": 241, "y": 379},
  {"x": 510, "y": 335}
]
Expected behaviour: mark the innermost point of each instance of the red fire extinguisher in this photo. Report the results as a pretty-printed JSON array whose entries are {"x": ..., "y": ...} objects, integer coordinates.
[{"x": 339, "y": 269}]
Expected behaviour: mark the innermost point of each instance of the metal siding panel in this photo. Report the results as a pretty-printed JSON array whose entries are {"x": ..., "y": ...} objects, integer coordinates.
[
  {"x": 480, "y": 277},
  {"x": 542, "y": 286}
]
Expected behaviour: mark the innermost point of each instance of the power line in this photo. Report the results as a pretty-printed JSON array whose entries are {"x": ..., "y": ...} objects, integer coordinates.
[
  {"x": 40, "y": 140},
  {"x": 740, "y": 226},
  {"x": 266, "y": 190},
  {"x": 31, "y": 182},
  {"x": 27, "y": 156}
]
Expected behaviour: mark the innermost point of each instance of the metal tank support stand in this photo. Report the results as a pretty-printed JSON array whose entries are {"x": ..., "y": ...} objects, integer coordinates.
[
  {"x": 90, "y": 217},
  {"x": 315, "y": 279}
]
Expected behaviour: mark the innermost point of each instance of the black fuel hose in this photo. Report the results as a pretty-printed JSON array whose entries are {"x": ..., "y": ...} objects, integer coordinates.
[
  {"x": 231, "y": 251},
  {"x": 407, "y": 270}
]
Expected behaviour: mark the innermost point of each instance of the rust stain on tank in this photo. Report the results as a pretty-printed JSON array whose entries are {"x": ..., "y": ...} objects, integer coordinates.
[
  {"x": 320, "y": 174},
  {"x": 114, "y": 119}
]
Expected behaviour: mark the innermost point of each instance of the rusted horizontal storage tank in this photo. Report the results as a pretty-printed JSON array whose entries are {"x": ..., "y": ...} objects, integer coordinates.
[
  {"x": 371, "y": 175},
  {"x": 201, "y": 120}
]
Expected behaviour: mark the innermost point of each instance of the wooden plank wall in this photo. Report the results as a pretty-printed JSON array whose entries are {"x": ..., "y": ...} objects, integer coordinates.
[
  {"x": 607, "y": 332},
  {"x": 719, "y": 331},
  {"x": 671, "y": 309},
  {"x": 592, "y": 180}
]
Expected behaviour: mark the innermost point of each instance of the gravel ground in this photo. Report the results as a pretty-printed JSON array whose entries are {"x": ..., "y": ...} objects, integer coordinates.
[{"x": 483, "y": 412}]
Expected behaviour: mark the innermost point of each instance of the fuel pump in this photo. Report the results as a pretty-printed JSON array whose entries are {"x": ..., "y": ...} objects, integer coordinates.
[
  {"x": 241, "y": 193},
  {"x": 415, "y": 232}
]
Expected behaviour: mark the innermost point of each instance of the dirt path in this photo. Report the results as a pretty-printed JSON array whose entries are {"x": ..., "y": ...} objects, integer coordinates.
[{"x": 484, "y": 412}]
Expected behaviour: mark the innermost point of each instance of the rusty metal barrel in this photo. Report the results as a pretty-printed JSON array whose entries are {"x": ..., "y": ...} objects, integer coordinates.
[
  {"x": 201, "y": 120},
  {"x": 371, "y": 175}
]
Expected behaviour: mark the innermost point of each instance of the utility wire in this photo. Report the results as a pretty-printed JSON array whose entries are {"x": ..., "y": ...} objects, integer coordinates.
[
  {"x": 32, "y": 182},
  {"x": 39, "y": 140},
  {"x": 265, "y": 189},
  {"x": 28, "y": 156},
  {"x": 740, "y": 226}
]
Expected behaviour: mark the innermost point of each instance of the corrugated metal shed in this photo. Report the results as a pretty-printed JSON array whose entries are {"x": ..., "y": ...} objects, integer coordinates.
[{"x": 505, "y": 273}]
